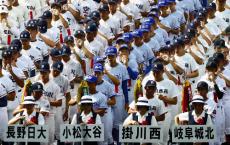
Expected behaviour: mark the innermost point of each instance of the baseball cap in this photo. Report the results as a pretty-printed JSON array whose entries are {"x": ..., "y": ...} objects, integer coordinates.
[
  {"x": 66, "y": 50},
  {"x": 211, "y": 64},
  {"x": 163, "y": 3},
  {"x": 145, "y": 27},
  {"x": 120, "y": 40},
  {"x": 219, "y": 56},
  {"x": 149, "y": 20},
  {"x": 103, "y": 8},
  {"x": 198, "y": 99},
  {"x": 45, "y": 67},
  {"x": 68, "y": 39},
  {"x": 3, "y": 9},
  {"x": 99, "y": 59},
  {"x": 95, "y": 15},
  {"x": 151, "y": 83},
  {"x": 153, "y": 14},
  {"x": 171, "y": 1},
  {"x": 6, "y": 53},
  {"x": 16, "y": 43},
  {"x": 142, "y": 101},
  {"x": 111, "y": 51},
  {"x": 137, "y": 33},
  {"x": 112, "y": 2},
  {"x": 58, "y": 65},
  {"x": 31, "y": 24},
  {"x": 158, "y": 67},
  {"x": 86, "y": 99},
  {"x": 90, "y": 78},
  {"x": 79, "y": 33},
  {"x": 42, "y": 26},
  {"x": 55, "y": 52},
  {"x": 91, "y": 28},
  {"x": 98, "y": 67},
  {"x": 179, "y": 41},
  {"x": 47, "y": 15},
  {"x": 25, "y": 35},
  {"x": 212, "y": 5},
  {"x": 128, "y": 37},
  {"x": 37, "y": 86},
  {"x": 202, "y": 85},
  {"x": 219, "y": 43}
]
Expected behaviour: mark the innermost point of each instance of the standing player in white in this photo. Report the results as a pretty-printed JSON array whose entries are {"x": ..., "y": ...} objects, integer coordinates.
[{"x": 117, "y": 74}]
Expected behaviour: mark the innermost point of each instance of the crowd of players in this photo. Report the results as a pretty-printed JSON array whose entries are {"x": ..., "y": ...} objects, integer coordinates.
[{"x": 114, "y": 62}]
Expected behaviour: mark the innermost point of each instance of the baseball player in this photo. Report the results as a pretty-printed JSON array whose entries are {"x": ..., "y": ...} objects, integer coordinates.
[
  {"x": 117, "y": 74},
  {"x": 85, "y": 7},
  {"x": 33, "y": 7},
  {"x": 221, "y": 12},
  {"x": 107, "y": 89},
  {"x": 53, "y": 93},
  {"x": 64, "y": 85}
]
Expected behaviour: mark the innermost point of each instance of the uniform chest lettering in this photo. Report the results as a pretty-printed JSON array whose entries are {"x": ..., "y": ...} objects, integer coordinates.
[
  {"x": 165, "y": 91},
  {"x": 48, "y": 94}
]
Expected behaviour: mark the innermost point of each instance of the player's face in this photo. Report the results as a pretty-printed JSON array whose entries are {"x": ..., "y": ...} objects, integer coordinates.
[
  {"x": 90, "y": 36},
  {"x": 203, "y": 92},
  {"x": 146, "y": 35},
  {"x": 87, "y": 107},
  {"x": 111, "y": 58},
  {"x": 3, "y": 15},
  {"x": 37, "y": 94},
  {"x": 198, "y": 107},
  {"x": 92, "y": 86},
  {"x": 138, "y": 40},
  {"x": 29, "y": 107},
  {"x": 55, "y": 73},
  {"x": 104, "y": 15},
  {"x": 33, "y": 32},
  {"x": 112, "y": 8},
  {"x": 124, "y": 52},
  {"x": 98, "y": 74},
  {"x": 225, "y": 51},
  {"x": 45, "y": 76},
  {"x": 150, "y": 90},
  {"x": 65, "y": 58},
  {"x": 25, "y": 42},
  {"x": 158, "y": 74}
]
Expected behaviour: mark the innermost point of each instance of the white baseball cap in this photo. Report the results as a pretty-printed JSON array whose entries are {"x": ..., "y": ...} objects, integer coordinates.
[
  {"x": 3, "y": 9},
  {"x": 198, "y": 99},
  {"x": 4, "y": 2},
  {"x": 142, "y": 101},
  {"x": 29, "y": 100}
]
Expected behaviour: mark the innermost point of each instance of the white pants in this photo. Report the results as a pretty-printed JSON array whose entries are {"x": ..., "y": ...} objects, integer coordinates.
[
  {"x": 226, "y": 105},
  {"x": 165, "y": 125},
  {"x": 58, "y": 116},
  {"x": 118, "y": 111},
  {"x": 220, "y": 123},
  {"x": 51, "y": 124},
  {"x": 107, "y": 120},
  {"x": 4, "y": 121}
]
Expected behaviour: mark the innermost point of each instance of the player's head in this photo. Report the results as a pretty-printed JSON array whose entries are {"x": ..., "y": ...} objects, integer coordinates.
[
  {"x": 142, "y": 105},
  {"x": 45, "y": 71},
  {"x": 220, "y": 4},
  {"x": 90, "y": 30},
  {"x": 37, "y": 90},
  {"x": 163, "y": 5},
  {"x": 198, "y": 104},
  {"x": 211, "y": 66},
  {"x": 86, "y": 103},
  {"x": 146, "y": 29},
  {"x": 158, "y": 70},
  {"x": 172, "y": 4},
  {"x": 98, "y": 69},
  {"x": 79, "y": 34},
  {"x": 32, "y": 27},
  {"x": 202, "y": 88},
  {"x": 66, "y": 52},
  {"x": 120, "y": 41},
  {"x": 124, "y": 50},
  {"x": 56, "y": 54},
  {"x": 128, "y": 37},
  {"x": 47, "y": 16},
  {"x": 95, "y": 15},
  {"x": 179, "y": 49},
  {"x": 57, "y": 68},
  {"x": 211, "y": 10},
  {"x": 111, "y": 54},
  {"x": 25, "y": 38},
  {"x": 220, "y": 59},
  {"x": 69, "y": 41},
  {"x": 112, "y": 6},
  {"x": 3, "y": 12},
  {"x": 92, "y": 82},
  {"x": 219, "y": 45},
  {"x": 150, "y": 88},
  {"x": 137, "y": 35},
  {"x": 104, "y": 11}
]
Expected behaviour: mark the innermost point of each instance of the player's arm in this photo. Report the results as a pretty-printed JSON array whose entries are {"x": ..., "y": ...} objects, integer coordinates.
[
  {"x": 227, "y": 81},
  {"x": 64, "y": 22},
  {"x": 177, "y": 68},
  {"x": 170, "y": 76},
  {"x": 206, "y": 38},
  {"x": 100, "y": 111},
  {"x": 160, "y": 117},
  {"x": 11, "y": 96},
  {"x": 19, "y": 82},
  {"x": 168, "y": 100},
  {"x": 197, "y": 58},
  {"x": 75, "y": 13},
  {"x": 111, "y": 101},
  {"x": 56, "y": 103},
  {"x": 192, "y": 74},
  {"x": 47, "y": 41},
  {"x": 114, "y": 79}
]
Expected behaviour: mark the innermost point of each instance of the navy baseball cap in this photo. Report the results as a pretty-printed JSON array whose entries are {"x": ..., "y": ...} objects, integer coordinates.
[
  {"x": 219, "y": 55},
  {"x": 123, "y": 46},
  {"x": 90, "y": 78},
  {"x": 212, "y": 5},
  {"x": 79, "y": 33},
  {"x": 42, "y": 26},
  {"x": 158, "y": 67},
  {"x": 112, "y": 2},
  {"x": 150, "y": 83},
  {"x": 211, "y": 64},
  {"x": 25, "y": 35},
  {"x": 104, "y": 8},
  {"x": 68, "y": 39},
  {"x": 47, "y": 15},
  {"x": 178, "y": 41},
  {"x": 55, "y": 52},
  {"x": 111, "y": 51},
  {"x": 98, "y": 67},
  {"x": 58, "y": 65},
  {"x": 219, "y": 43},
  {"x": 37, "y": 86},
  {"x": 202, "y": 85},
  {"x": 99, "y": 59},
  {"x": 6, "y": 53},
  {"x": 91, "y": 28},
  {"x": 45, "y": 67},
  {"x": 16, "y": 42},
  {"x": 137, "y": 33},
  {"x": 31, "y": 24},
  {"x": 95, "y": 15},
  {"x": 14, "y": 48},
  {"x": 66, "y": 50},
  {"x": 128, "y": 37}
]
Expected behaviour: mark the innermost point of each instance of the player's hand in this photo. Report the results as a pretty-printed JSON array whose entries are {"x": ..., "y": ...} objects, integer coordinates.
[
  {"x": 105, "y": 71},
  {"x": 28, "y": 123},
  {"x": 183, "y": 122},
  {"x": 66, "y": 115},
  {"x": 132, "y": 122},
  {"x": 161, "y": 97},
  {"x": 65, "y": 7},
  {"x": 21, "y": 117},
  {"x": 9, "y": 68},
  {"x": 80, "y": 43},
  {"x": 212, "y": 77},
  {"x": 130, "y": 17}
]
